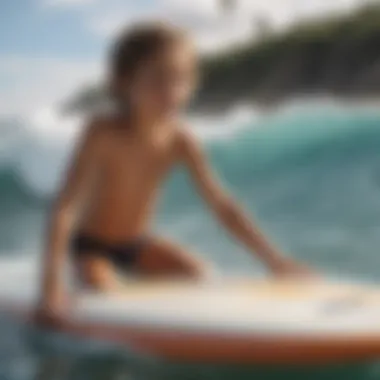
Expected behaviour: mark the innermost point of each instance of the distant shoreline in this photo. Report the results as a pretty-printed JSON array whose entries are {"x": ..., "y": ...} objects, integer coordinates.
[{"x": 337, "y": 57}]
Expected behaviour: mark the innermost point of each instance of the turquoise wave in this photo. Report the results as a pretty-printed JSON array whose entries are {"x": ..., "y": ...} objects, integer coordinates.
[{"x": 311, "y": 177}]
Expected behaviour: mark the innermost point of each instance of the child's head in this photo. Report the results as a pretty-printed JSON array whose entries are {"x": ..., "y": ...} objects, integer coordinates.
[{"x": 153, "y": 68}]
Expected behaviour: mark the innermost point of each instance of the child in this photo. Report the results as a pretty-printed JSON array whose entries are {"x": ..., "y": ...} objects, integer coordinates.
[{"x": 119, "y": 166}]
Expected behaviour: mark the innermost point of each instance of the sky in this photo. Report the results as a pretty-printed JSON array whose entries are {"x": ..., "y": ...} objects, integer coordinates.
[{"x": 51, "y": 48}]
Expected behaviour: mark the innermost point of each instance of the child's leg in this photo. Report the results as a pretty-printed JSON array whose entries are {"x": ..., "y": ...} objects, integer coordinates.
[
  {"x": 96, "y": 273},
  {"x": 161, "y": 259},
  {"x": 165, "y": 259}
]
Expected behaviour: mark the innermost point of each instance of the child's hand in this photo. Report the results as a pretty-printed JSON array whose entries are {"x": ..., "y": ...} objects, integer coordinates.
[
  {"x": 51, "y": 314},
  {"x": 290, "y": 268}
]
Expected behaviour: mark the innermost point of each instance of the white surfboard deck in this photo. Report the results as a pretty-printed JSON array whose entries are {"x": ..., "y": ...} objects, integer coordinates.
[{"x": 269, "y": 308}]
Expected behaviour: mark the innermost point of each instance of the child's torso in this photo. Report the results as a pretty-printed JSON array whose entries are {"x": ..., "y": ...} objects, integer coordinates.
[{"x": 130, "y": 176}]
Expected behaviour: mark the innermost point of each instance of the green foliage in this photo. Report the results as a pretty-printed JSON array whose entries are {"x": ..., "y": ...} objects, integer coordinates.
[{"x": 309, "y": 55}]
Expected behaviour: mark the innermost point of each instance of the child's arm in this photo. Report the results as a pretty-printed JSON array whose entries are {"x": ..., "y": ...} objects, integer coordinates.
[
  {"x": 228, "y": 212},
  {"x": 80, "y": 173}
]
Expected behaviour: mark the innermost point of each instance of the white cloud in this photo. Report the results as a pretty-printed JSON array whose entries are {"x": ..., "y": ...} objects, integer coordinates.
[
  {"x": 106, "y": 19},
  {"x": 201, "y": 17},
  {"x": 212, "y": 26},
  {"x": 30, "y": 83}
]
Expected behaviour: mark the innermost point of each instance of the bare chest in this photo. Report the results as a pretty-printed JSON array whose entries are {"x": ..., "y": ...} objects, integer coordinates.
[{"x": 136, "y": 167}]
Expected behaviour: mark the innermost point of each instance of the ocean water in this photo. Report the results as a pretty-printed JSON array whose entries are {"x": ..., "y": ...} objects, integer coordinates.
[{"x": 308, "y": 172}]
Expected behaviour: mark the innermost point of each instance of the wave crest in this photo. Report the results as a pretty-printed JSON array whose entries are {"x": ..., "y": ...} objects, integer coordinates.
[{"x": 243, "y": 145}]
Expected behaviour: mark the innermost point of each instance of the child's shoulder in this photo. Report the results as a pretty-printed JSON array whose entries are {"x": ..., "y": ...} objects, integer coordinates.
[
  {"x": 184, "y": 133},
  {"x": 99, "y": 125},
  {"x": 102, "y": 121},
  {"x": 186, "y": 139},
  {"x": 96, "y": 132}
]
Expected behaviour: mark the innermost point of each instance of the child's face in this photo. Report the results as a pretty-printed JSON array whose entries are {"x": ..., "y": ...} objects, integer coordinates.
[{"x": 164, "y": 84}]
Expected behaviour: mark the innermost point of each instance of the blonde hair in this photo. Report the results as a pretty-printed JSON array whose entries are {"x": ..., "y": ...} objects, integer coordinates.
[{"x": 136, "y": 45}]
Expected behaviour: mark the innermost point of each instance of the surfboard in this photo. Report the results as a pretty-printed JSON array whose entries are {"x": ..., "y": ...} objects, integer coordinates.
[{"x": 239, "y": 321}]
